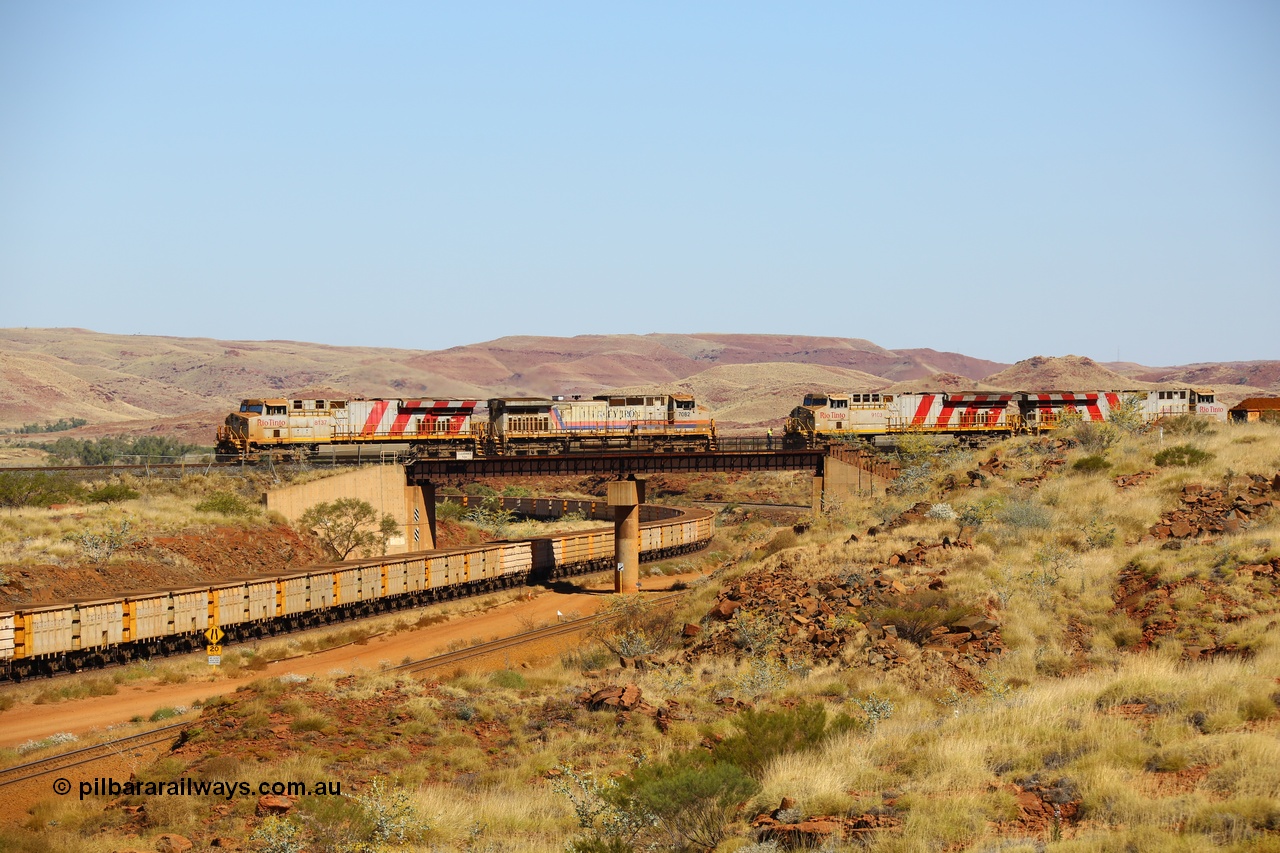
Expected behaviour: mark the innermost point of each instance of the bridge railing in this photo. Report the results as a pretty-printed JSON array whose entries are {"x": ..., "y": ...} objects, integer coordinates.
[
  {"x": 867, "y": 460},
  {"x": 748, "y": 443}
]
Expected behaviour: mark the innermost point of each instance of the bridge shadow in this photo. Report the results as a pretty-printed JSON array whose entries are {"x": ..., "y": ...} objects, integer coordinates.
[
  {"x": 571, "y": 586},
  {"x": 574, "y": 586}
]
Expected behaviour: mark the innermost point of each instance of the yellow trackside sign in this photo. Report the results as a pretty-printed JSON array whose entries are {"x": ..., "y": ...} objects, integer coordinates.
[
  {"x": 214, "y": 635},
  {"x": 214, "y": 650}
]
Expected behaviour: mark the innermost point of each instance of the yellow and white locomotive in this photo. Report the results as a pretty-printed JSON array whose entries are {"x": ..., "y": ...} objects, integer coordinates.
[{"x": 641, "y": 422}]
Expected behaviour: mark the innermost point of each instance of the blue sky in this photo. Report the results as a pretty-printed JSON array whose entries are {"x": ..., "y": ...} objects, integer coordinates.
[{"x": 999, "y": 179}]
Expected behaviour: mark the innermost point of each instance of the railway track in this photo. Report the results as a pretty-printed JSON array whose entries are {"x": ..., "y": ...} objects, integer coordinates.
[
  {"x": 131, "y": 468},
  {"x": 740, "y": 505},
  {"x": 87, "y": 755},
  {"x": 525, "y": 638},
  {"x": 81, "y": 756}
]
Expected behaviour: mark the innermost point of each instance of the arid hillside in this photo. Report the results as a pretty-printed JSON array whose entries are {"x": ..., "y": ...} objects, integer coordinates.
[{"x": 138, "y": 384}]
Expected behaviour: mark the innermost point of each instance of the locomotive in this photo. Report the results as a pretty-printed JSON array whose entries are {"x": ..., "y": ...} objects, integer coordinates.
[
  {"x": 973, "y": 418},
  {"x": 516, "y": 426},
  {"x": 647, "y": 422}
]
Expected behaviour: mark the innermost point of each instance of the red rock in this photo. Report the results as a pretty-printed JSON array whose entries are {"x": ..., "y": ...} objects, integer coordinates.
[
  {"x": 171, "y": 842},
  {"x": 724, "y": 609},
  {"x": 270, "y": 804}
]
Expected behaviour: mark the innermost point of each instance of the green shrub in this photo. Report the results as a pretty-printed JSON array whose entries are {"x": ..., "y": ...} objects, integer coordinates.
[
  {"x": 1095, "y": 436},
  {"x": 1026, "y": 515},
  {"x": 764, "y": 735},
  {"x": 1186, "y": 425},
  {"x": 98, "y": 548},
  {"x": 278, "y": 835},
  {"x": 1098, "y": 533},
  {"x": 633, "y": 627},
  {"x": 37, "y": 488},
  {"x": 1182, "y": 455},
  {"x": 509, "y": 679},
  {"x": 112, "y": 493},
  {"x": 225, "y": 503},
  {"x": 451, "y": 510},
  {"x": 780, "y": 542},
  {"x": 1091, "y": 464},
  {"x": 105, "y": 450},
  {"x": 693, "y": 799},
  {"x": 392, "y": 813},
  {"x": 160, "y": 714},
  {"x": 979, "y": 512}
]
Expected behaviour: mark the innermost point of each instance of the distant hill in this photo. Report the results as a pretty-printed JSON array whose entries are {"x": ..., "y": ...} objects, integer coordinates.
[
  {"x": 1073, "y": 372},
  {"x": 132, "y": 384},
  {"x": 1065, "y": 373},
  {"x": 751, "y": 395}
]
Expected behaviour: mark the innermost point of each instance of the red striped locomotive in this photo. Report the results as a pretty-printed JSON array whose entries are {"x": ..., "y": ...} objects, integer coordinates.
[
  {"x": 306, "y": 427},
  {"x": 516, "y": 426},
  {"x": 973, "y": 418}
]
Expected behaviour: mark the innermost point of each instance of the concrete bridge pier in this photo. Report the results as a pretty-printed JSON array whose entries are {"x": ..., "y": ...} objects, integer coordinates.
[
  {"x": 626, "y": 496},
  {"x": 420, "y": 531}
]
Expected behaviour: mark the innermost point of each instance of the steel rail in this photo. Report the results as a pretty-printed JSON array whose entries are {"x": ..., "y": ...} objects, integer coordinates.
[
  {"x": 412, "y": 667},
  {"x": 6, "y": 774},
  {"x": 534, "y": 635}
]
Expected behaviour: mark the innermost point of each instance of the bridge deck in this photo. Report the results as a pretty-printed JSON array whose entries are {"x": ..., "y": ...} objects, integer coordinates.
[{"x": 620, "y": 464}]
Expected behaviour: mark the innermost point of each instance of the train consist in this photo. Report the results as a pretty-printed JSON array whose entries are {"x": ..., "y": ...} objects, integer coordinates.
[
  {"x": 70, "y": 636},
  {"x": 974, "y": 418},
  {"x": 516, "y": 426}
]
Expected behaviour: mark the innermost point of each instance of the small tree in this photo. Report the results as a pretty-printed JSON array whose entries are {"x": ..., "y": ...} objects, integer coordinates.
[
  {"x": 37, "y": 488},
  {"x": 1127, "y": 414},
  {"x": 347, "y": 525},
  {"x": 633, "y": 627}
]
